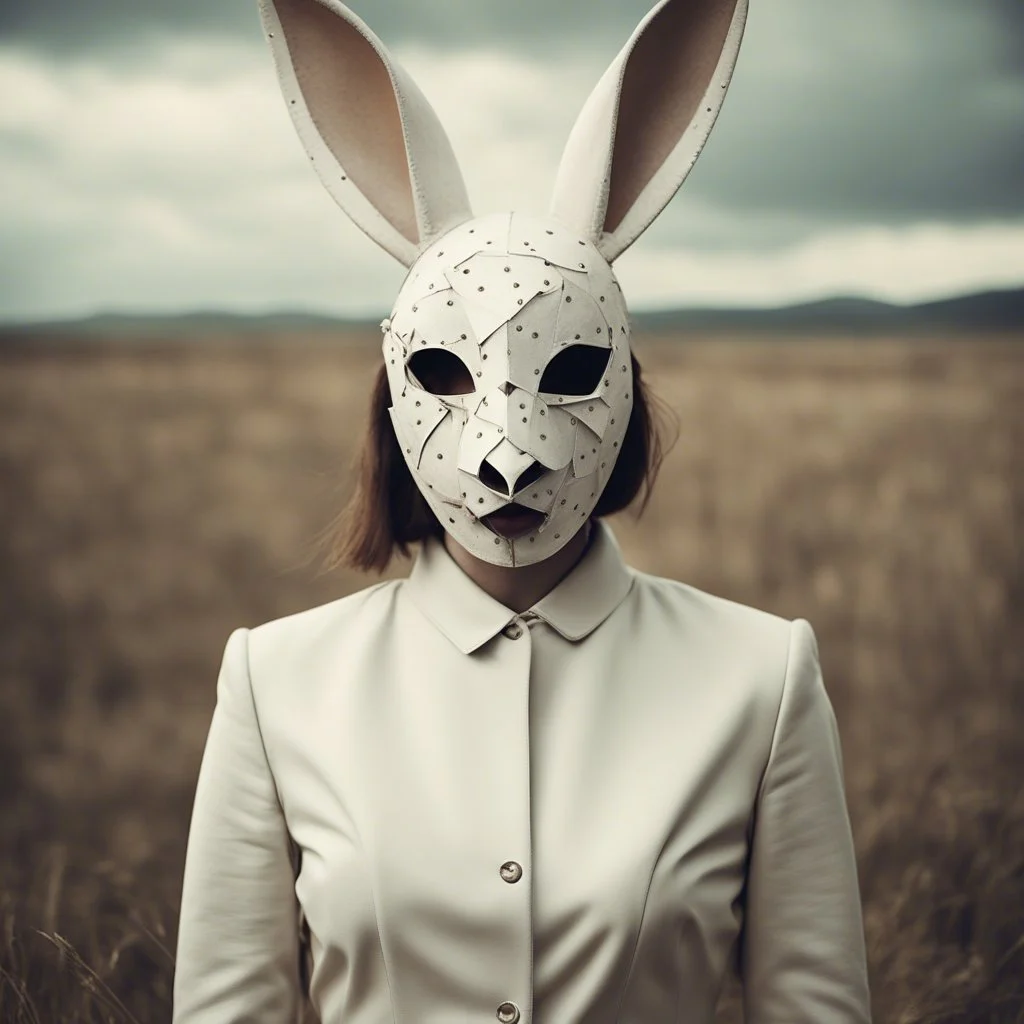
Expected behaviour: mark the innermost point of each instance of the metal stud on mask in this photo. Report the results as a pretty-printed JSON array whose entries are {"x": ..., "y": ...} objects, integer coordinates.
[{"x": 507, "y": 351}]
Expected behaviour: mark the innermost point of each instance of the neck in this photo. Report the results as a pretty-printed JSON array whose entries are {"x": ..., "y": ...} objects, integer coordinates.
[{"x": 520, "y": 587}]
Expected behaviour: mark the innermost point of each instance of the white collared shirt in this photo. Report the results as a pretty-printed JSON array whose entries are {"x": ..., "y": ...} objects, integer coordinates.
[{"x": 587, "y": 813}]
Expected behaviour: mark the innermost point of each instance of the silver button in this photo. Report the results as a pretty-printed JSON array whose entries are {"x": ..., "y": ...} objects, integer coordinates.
[
  {"x": 513, "y": 631},
  {"x": 511, "y": 871},
  {"x": 508, "y": 1013}
]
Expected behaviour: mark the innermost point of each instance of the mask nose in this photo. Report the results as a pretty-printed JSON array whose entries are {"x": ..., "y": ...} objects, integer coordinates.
[
  {"x": 508, "y": 469},
  {"x": 510, "y": 481}
]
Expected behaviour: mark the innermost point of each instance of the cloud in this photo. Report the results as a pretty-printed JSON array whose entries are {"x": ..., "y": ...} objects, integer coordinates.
[
  {"x": 879, "y": 111},
  {"x": 105, "y": 27},
  {"x": 902, "y": 265},
  {"x": 892, "y": 112},
  {"x": 183, "y": 183},
  {"x": 172, "y": 178},
  {"x": 528, "y": 26}
]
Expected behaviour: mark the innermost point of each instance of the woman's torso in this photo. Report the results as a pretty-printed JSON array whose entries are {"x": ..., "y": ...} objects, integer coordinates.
[{"x": 612, "y": 746}]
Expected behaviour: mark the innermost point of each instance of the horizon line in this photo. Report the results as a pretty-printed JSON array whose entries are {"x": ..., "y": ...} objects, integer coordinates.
[{"x": 369, "y": 318}]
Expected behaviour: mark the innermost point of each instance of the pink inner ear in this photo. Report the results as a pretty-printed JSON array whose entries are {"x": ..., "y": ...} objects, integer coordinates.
[
  {"x": 667, "y": 74},
  {"x": 349, "y": 95}
]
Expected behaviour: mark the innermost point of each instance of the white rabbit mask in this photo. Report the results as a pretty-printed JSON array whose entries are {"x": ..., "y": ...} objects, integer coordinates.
[{"x": 508, "y": 349}]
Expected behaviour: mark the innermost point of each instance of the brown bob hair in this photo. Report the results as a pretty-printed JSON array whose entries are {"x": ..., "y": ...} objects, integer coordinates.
[{"x": 387, "y": 513}]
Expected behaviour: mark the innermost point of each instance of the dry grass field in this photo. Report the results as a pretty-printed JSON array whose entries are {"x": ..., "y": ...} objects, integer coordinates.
[{"x": 153, "y": 496}]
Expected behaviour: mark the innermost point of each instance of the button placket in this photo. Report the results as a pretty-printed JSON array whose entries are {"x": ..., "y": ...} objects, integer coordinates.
[{"x": 512, "y": 871}]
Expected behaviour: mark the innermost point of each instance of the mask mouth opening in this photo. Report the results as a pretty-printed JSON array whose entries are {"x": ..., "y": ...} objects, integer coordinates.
[{"x": 513, "y": 520}]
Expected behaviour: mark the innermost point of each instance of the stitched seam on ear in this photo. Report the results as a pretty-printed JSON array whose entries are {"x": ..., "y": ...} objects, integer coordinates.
[
  {"x": 416, "y": 193},
  {"x": 421, "y": 208},
  {"x": 426, "y": 226},
  {"x": 600, "y": 213},
  {"x": 635, "y": 221},
  {"x": 384, "y": 57},
  {"x": 355, "y": 204},
  {"x": 597, "y": 226}
]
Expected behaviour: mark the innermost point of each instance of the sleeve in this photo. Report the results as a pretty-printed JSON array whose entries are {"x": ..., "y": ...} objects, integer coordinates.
[
  {"x": 803, "y": 957},
  {"x": 237, "y": 957}
]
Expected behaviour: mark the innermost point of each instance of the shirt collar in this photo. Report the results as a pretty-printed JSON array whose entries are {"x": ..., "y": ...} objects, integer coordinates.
[{"x": 469, "y": 616}]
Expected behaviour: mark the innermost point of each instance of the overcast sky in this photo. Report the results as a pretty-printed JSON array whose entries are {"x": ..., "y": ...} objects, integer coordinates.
[{"x": 147, "y": 161}]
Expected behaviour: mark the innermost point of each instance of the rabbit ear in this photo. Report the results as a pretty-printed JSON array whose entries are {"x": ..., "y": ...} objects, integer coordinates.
[
  {"x": 374, "y": 139},
  {"x": 647, "y": 120}
]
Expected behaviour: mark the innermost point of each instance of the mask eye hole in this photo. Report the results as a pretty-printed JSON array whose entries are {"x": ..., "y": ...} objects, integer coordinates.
[
  {"x": 440, "y": 372},
  {"x": 576, "y": 370}
]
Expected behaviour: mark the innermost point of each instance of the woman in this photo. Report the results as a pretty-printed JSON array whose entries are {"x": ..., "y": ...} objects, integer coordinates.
[{"x": 528, "y": 783}]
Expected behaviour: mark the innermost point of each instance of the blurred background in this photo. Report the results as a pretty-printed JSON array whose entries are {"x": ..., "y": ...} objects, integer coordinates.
[{"x": 832, "y": 308}]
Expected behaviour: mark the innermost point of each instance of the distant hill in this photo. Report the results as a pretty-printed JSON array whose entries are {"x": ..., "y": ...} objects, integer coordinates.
[
  {"x": 184, "y": 326},
  {"x": 984, "y": 311}
]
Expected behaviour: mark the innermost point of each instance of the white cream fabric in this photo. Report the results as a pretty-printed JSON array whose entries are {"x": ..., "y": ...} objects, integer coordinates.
[{"x": 661, "y": 765}]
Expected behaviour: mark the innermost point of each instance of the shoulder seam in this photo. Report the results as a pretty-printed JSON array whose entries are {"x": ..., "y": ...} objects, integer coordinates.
[
  {"x": 698, "y": 593},
  {"x": 364, "y": 593}
]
